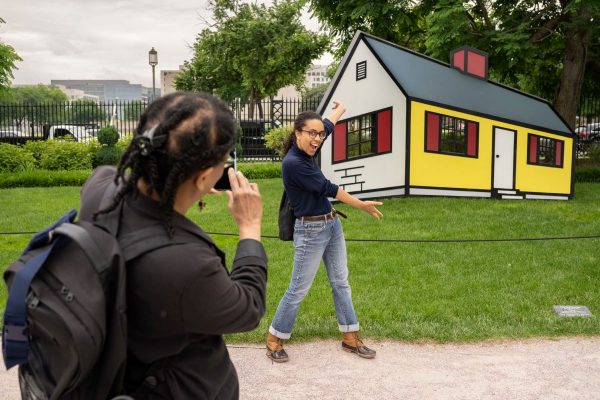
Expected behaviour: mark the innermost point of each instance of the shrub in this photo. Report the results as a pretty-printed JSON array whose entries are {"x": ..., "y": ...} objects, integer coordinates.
[
  {"x": 594, "y": 153},
  {"x": 123, "y": 143},
  {"x": 264, "y": 170},
  {"x": 107, "y": 155},
  {"x": 108, "y": 136},
  {"x": 15, "y": 158},
  {"x": 275, "y": 137},
  {"x": 38, "y": 148},
  {"x": 66, "y": 156},
  {"x": 43, "y": 178},
  {"x": 587, "y": 174}
]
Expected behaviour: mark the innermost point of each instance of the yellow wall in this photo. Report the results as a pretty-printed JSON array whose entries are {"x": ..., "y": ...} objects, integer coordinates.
[{"x": 447, "y": 171}]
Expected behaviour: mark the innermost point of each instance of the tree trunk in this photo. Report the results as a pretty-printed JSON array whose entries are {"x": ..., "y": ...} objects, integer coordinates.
[
  {"x": 251, "y": 101},
  {"x": 568, "y": 93}
]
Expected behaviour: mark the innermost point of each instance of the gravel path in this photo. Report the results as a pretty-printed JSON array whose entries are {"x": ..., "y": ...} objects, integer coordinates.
[{"x": 555, "y": 369}]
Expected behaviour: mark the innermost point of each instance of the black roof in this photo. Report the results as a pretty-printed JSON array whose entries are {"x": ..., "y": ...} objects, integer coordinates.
[{"x": 429, "y": 80}]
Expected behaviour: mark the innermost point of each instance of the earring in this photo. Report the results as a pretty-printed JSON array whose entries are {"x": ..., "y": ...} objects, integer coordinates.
[{"x": 201, "y": 205}]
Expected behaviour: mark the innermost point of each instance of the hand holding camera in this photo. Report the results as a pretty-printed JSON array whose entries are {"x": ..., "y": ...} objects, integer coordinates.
[{"x": 245, "y": 205}]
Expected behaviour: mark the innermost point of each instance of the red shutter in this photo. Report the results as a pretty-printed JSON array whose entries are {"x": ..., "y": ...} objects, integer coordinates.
[
  {"x": 533, "y": 149},
  {"x": 339, "y": 142},
  {"x": 384, "y": 131},
  {"x": 471, "y": 139},
  {"x": 558, "y": 154},
  {"x": 433, "y": 132}
]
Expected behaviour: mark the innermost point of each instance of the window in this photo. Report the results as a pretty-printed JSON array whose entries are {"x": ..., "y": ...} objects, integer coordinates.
[
  {"x": 363, "y": 136},
  {"x": 361, "y": 140},
  {"x": 450, "y": 135},
  {"x": 361, "y": 70},
  {"x": 545, "y": 151}
]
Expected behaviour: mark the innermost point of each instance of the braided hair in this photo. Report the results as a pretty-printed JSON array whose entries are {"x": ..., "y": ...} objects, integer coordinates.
[
  {"x": 178, "y": 135},
  {"x": 298, "y": 125}
]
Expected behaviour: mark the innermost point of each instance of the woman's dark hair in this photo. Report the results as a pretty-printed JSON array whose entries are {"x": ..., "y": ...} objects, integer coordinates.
[
  {"x": 178, "y": 135},
  {"x": 299, "y": 123}
]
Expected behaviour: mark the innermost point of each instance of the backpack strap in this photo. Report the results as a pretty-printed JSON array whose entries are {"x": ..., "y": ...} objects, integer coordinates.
[
  {"x": 82, "y": 237},
  {"x": 15, "y": 342},
  {"x": 137, "y": 243},
  {"x": 111, "y": 221}
]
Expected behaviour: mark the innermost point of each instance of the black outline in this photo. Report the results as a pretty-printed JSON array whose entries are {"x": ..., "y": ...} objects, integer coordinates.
[
  {"x": 492, "y": 117},
  {"x": 440, "y": 137},
  {"x": 537, "y": 156},
  {"x": 360, "y": 63},
  {"x": 407, "y": 150},
  {"x": 361, "y": 36},
  {"x": 468, "y": 49},
  {"x": 375, "y": 141},
  {"x": 514, "y": 160}
]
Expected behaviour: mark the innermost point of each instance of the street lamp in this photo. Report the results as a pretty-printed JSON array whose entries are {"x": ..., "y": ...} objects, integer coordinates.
[{"x": 153, "y": 60}]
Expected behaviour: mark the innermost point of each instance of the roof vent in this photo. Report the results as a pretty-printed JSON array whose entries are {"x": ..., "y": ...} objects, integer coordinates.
[{"x": 470, "y": 61}]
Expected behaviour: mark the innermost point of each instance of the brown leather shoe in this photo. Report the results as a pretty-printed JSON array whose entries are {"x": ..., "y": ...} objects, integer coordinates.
[
  {"x": 352, "y": 344},
  {"x": 275, "y": 349}
]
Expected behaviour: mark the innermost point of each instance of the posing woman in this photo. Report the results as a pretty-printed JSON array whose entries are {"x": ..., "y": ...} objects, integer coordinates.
[
  {"x": 317, "y": 234},
  {"x": 181, "y": 298}
]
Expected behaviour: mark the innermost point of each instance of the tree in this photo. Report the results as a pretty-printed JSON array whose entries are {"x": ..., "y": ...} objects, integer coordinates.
[
  {"x": 539, "y": 46},
  {"x": 8, "y": 58},
  {"x": 84, "y": 111},
  {"x": 251, "y": 51},
  {"x": 27, "y": 104}
]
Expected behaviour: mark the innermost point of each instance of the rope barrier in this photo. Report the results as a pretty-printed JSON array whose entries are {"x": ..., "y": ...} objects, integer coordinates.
[{"x": 404, "y": 240}]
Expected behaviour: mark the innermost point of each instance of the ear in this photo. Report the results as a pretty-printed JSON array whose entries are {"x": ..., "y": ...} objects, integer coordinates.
[{"x": 200, "y": 180}]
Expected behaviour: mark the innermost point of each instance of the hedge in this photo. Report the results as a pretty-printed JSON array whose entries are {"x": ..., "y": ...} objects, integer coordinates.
[
  {"x": 44, "y": 178},
  {"x": 588, "y": 174}
]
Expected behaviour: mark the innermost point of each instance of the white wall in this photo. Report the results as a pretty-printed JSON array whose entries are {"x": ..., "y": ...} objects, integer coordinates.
[{"x": 375, "y": 92}]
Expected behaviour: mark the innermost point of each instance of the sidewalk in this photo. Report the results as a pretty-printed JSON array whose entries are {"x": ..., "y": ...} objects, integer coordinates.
[{"x": 557, "y": 369}]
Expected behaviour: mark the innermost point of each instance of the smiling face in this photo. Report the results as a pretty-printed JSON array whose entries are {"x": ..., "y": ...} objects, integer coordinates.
[{"x": 304, "y": 141}]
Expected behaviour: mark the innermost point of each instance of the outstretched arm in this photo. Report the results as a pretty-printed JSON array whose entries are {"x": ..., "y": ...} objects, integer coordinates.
[{"x": 366, "y": 206}]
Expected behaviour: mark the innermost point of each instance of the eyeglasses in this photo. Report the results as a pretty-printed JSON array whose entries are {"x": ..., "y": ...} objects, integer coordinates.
[{"x": 313, "y": 134}]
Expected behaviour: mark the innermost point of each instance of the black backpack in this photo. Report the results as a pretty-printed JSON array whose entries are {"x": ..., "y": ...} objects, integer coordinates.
[
  {"x": 65, "y": 319},
  {"x": 286, "y": 219}
]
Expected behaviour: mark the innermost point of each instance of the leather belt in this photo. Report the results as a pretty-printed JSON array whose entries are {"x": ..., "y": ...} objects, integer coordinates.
[{"x": 324, "y": 217}]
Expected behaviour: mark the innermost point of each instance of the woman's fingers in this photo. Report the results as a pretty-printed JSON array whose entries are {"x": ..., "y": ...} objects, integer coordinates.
[{"x": 233, "y": 179}]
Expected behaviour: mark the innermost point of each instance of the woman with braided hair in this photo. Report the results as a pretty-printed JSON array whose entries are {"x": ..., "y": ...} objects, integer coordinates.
[{"x": 181, "y": 298}]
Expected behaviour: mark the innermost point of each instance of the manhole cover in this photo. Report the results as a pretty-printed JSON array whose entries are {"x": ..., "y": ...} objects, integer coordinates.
[{"x": 572, "y": 311}]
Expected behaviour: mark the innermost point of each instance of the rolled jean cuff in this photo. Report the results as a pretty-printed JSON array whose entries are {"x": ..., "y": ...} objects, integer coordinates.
[
  {"x": 280, "y": 335},
  {"x": 346, "y": 328}
]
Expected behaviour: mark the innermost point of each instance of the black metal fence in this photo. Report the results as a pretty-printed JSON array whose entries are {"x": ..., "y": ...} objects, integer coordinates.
[{"x": 80, "y": 121}]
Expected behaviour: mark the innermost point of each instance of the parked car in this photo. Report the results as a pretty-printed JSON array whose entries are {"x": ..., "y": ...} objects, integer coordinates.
[
  {"x": 73, "y": 132},
  {"x": 589, "y": 133}
]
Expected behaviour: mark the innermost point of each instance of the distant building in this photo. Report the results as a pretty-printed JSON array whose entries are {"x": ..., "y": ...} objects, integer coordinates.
[
  {"x": 76, "y": 94},
  {"x": 108, "y": 90},
  {"x": 167, "y": 80},
  {"x": 315, "y": 75}
]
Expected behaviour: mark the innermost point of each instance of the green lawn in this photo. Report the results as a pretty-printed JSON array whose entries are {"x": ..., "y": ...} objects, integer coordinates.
[{"x": 410, "y": 291}]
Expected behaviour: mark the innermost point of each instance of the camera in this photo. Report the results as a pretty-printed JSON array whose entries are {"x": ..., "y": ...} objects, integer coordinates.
[{"x": 223, "y": 182}]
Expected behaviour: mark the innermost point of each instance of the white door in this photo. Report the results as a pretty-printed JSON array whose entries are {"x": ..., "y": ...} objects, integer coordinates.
[{"x": 504, "y": 159}]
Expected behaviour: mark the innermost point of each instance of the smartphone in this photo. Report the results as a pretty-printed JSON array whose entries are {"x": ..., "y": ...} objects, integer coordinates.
[{"x": 223, "y": 182}]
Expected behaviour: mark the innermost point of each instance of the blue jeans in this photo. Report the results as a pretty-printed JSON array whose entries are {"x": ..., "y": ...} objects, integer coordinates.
[{"x": 313, "y": 241}]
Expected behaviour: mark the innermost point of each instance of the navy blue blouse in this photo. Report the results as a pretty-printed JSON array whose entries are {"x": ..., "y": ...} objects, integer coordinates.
[{"x": 306, "y": 186}]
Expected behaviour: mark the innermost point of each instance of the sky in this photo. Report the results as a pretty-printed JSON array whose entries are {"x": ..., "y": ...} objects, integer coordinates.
[{"x": 103, "y": 39}]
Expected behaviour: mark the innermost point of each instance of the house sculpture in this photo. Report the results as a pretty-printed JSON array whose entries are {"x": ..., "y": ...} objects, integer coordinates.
[{"x": 418, "y": 126}]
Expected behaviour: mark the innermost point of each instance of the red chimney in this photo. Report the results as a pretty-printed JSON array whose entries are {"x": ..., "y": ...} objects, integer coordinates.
[{"x": 470, "y": 61}]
